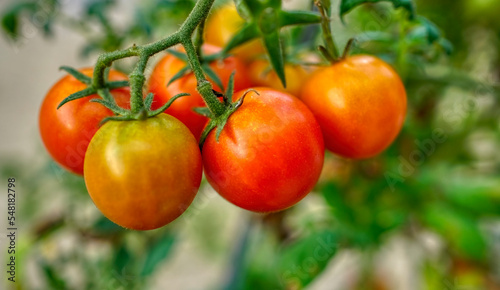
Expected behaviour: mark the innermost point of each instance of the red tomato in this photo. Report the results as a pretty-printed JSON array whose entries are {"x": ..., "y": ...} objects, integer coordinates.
[
  {"x": 66, "y": 132},
  {"x": 182, "y": 108},
  {"x": 360, "y": 104},
  {"x": 143, "y": 174},
  {"x": 269, "y": 155}
]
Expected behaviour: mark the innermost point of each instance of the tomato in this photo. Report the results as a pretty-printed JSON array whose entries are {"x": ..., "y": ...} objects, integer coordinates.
[
  {"x": 360, "y": 104},
  {"x": 143, "y": 174},
  {"x": 183, "y": 107},
  {"x": 261, "y": 74},
  {"x": 223, "y": 24},
  {"x": 269, "y": 155},
  {"x": 66, "y": 132}
]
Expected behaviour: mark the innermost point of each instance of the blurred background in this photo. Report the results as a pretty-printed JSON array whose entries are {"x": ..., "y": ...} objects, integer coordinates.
[{"x": 423, "y": 215}]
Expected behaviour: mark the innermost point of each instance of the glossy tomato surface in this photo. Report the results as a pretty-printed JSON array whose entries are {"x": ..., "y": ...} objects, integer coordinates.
[
  {"x": 66, "y": 132},
  {"x": 183, "y": 107},
  {"x": 269, "y": 155},
  {"x": 360, "y": 104},
  {"x": 261, "y": 74},
  {"x": 143, "y": 174},
  {"x": 223, "y": 24}
]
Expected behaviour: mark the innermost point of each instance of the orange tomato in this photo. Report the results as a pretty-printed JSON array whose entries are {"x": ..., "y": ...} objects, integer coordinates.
[
  {"x": 66, "y": 132},
  {"x": 143, "y": 174},
  {"x": 222, "y": 25},
  {"x": 360, "y": 104},
  {"x": 182, "y": 108},
  {"x": 262, "y": 74}
]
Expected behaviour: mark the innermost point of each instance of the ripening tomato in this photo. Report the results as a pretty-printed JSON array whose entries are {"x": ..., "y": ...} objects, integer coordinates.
[
  {"x": 269, "y": 155},
  {"x": 222, "y": 25},
  {"x": 66, "y": 132},
  {"x": 183, "y": 107},
  {"x": 360, "y": 104},
  {"x": 262, "y": 74},
  {"x": 143, "y": 174}
]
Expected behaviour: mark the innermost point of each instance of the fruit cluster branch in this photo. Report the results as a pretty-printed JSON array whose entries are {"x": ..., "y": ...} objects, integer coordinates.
[{"x": 137, "y": 78}]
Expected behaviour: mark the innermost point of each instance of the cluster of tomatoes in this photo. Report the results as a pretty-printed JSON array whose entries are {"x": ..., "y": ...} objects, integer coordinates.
[{"x": 142, "y": 174}]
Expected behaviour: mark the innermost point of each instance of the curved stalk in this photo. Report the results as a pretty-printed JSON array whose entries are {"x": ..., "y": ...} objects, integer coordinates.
[{"x": 182, "y": 36}]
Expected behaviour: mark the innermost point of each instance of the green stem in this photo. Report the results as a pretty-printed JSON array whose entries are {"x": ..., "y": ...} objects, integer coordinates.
[
  {"x": 105, "y": 60},
  {"x": 204, "y": 87},
  {"x": 327, "y": 31},
  {"x": 195, "y": 19},
  {"x": 199, "y": 13},
  {"x": 137, "y": 80},
  {"x": 198, "y": 41}
]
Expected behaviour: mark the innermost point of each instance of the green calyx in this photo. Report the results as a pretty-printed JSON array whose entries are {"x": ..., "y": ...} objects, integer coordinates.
[
  {"x": 219, "y": 121},
  {"x": 140, "y": 107},
  {"x": 205, "y": 61},
  {"x": 108, "y": 101},
  {"x": 264, "y": 20}
]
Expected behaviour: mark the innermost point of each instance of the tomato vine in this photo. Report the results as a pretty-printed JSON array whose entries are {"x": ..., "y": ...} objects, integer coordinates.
[{"x": 138, "y": 109}]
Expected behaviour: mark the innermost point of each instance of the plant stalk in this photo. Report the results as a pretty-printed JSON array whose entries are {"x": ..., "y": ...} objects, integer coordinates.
[{"x": 183, "y": 36}]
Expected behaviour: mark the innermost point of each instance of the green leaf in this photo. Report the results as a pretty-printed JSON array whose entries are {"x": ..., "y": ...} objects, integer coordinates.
[
  {"x": 243, "y": 9},
  {"x": 204, "y": 111},
  {"x": 122, "y": 258},
  {"x": 306, "y": 258},
  {"x": 459, "y": 229},
  {"x": 247, "y": 33},
  {"x": 10, "y": 19},
  {"x": 480, "y": 197},
  {"x": 298, "y": 17},
  {"x": 211, "y": 125},
  {"x": 184, "y": 71},
  {"x": 213, "y": 76},
  {"x": 220, "y": 126},
  {"x": 327, "y": 4},
  {"x": 164, "y": 107},
  {"x": 180, "y": 55},
  {"x": 116, "y": 118},
  {"x": 446, "y": 45},
  {"x": 348, "y": 5},
  {"x": 157, "y": 252},
  {"x": 334, "y": 197},
  {"x": 249, "y": 8},
  {"x": 117, "y": 84},
  {"x": 104, "y": 226},
  {"x": 273, "y": 47},
  {"x": 214, "y": 56},
  {"x": 433, "y": 32},
  {"x": 148, "y": 101},
  {"x": 10, "y": 24},
  {"x": 98, "y": 7},
  {"x": 110, "y": 105},
  {"x": 77, "y": 74},
  {"x": 228, "y": 97},
  {"x": 276, "y": 4},
  {"x": 78, "y": 95},
  {"x": 324, "y": 52},
  {"x": 52, "y": 276}
]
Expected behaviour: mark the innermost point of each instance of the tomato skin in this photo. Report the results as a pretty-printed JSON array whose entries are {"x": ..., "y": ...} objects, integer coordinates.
[
  {"x": 222, "y": 25},
  {"x": 183, "y": 107},
  {"x": 269, "y": 155},
  {"x": 66, "y": 132},
  {"x": 143, "y": 174},
  {"x": 360, "y": 104},
  {"x": 261, "y": 74}
]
